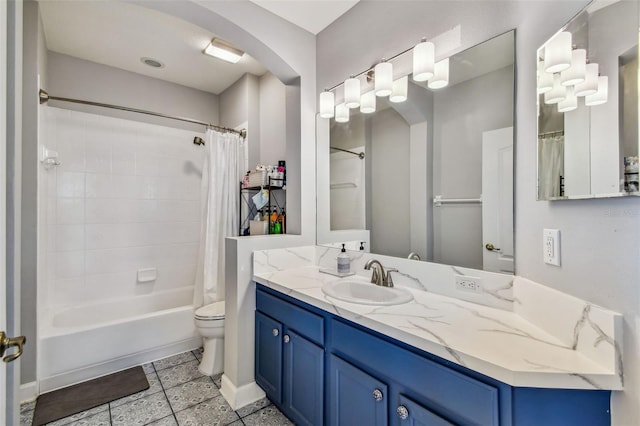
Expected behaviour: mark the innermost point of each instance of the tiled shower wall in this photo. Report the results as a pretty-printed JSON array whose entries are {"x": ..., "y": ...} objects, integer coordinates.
[{"x": 126, "y": 197}]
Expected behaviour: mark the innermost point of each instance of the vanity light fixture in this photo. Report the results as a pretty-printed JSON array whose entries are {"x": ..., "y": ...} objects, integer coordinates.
[
  {"x": 399, "y": 91},
  {"x": 383, "y": 80},
  {"x": 342, "y": 113},
  {"x": 557, "y": 93},
  {"x": 557, "y": 53},
  {"x": 352, "y": 92},
  {"x": 590, "y": 84},
  {"x": 601, "y": 96},
  {"x": 222, "y": 50},
  {"x": 423, "y": 60},
  {"x": 440, "y": 77},
  {"x": 327, "y": 104},
  {"x": 570, "y": 102},
  {"x": 575, "y": 74},
  {"x": 368, "y": 103}
]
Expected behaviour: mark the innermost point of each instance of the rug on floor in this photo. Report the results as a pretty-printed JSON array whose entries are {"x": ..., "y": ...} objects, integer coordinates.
[{"x": 74, "y": 399}]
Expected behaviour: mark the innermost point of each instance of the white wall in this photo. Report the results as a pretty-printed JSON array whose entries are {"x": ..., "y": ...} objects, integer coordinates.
[
  {"x": 272, "y": 120},
  {"x": 600, "y": 238},
  {"x": 126, "y": 197}
]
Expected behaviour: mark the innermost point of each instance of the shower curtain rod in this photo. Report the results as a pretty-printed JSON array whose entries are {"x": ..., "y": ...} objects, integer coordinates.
[
  {"x": 359, "y": 154},
  {"x": 45, "y": 97}
]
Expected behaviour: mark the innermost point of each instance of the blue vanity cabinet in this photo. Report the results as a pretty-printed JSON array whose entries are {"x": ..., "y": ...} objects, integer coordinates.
[
  {"x": 411, "y": 413},
  {"x": 355, "y": 397},
  {"x": 290, "y": 358}
]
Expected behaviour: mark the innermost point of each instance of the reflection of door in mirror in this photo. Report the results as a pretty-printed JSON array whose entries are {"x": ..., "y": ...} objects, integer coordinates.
[{"x": 588, "y": 112}]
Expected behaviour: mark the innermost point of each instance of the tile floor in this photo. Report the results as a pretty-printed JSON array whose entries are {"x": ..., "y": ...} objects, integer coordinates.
[{"x": 178, "y": 396}]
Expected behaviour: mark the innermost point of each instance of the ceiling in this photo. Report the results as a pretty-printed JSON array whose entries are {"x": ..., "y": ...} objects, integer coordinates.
[{"x": 120, "y": 34}]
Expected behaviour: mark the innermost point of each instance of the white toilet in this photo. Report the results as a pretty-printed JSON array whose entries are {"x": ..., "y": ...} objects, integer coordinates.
[{"x": 209, "y": 321}]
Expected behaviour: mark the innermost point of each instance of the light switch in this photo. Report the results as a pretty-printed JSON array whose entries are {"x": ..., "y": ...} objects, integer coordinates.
[{"x": 551, "y": 246}]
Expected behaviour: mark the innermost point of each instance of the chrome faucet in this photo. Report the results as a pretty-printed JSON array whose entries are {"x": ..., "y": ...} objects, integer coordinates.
[
  {"x": 379, "y": 276},
  {"x": 413, "y": 256}
]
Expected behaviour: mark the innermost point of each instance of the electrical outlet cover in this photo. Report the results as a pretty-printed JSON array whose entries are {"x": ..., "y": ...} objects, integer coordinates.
[{"x": 551, "y": 246}]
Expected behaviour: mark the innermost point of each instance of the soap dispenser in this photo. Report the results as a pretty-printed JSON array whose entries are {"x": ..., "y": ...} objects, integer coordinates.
[{"x": 344, "y": 261}]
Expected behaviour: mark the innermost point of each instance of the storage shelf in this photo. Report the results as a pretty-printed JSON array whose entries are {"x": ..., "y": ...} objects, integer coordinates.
[{"x": 246, "y": 201}]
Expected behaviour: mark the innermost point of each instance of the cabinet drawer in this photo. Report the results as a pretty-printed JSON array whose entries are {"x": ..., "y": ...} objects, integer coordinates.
[
  {"x": 304, "y": 322},
  {"x": 456, "y": 396}
]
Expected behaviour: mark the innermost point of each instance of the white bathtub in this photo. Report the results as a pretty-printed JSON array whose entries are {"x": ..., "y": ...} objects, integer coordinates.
[{"x": 83, "y": 342}]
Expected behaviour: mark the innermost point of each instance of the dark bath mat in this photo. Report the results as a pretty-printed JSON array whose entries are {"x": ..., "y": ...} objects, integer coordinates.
[{"x": 74, "y": 399}]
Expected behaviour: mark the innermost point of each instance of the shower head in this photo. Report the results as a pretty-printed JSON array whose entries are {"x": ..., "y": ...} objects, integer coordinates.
[{"x": 198, "y": 140}]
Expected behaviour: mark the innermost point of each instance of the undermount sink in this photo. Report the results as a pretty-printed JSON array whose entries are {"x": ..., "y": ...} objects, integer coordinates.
[{"x": 366, "y": 293}]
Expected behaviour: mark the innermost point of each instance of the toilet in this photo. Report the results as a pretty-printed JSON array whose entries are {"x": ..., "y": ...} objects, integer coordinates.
[{"x": 209, "y": 320}]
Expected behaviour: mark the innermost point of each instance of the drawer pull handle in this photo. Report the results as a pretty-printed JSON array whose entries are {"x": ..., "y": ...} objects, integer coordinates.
[
  {"x": 377, "y": 394},
  {"x": 286, "y": 338},
  {"x": 403, "y": 413},
  {"x": 275, "y": 332}
]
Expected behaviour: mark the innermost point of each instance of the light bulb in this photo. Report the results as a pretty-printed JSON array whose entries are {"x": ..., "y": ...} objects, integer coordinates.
[
  {"x": 342, "y": 113},
  {"x": 440, "y": 77},
  {"x": 590, "y": 84},
  {"x": 602, "y": 95},
  {"x": 557, "y": 93},
  {"x": 352, "y": 92},
  {"x": 557, "y": 53},
  {"x": 423, "y": 61},
  {"x": 327, "y": 102},
  {"x": 399, "y": 92},
  {"x": 575, "y": 74},
  {"x": 368, "y": 102},
  {"x": 570, "y": 101},
  {"x": 383, "y": 76}
]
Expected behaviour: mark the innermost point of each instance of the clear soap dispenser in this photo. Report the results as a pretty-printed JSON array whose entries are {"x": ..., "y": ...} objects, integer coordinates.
[{"x": 344, "y": 262}]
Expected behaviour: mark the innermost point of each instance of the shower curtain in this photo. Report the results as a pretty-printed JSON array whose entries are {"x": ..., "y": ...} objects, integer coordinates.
[
  {"x": 550, "y": 166},
  {"x": 223, "y": 168}
]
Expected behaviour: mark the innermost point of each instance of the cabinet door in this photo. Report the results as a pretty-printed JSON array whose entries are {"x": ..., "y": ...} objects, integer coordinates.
[
  {"x": 303, "y": 379},
  {"x": 269, "y": 356},
  {"x": 355, "y": 397},
  {"x": 411, "y": 413}
]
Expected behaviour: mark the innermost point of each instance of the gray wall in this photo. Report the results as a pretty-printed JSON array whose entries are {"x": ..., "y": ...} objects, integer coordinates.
[
  {"x": 461, "y": 114},
  {"x": 605, "y": 277},
  {"x": 71, "y": 77},
  {"x": 272, "y": 120}
]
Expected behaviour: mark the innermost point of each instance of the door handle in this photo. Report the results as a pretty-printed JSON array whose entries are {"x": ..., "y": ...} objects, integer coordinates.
[
  {"x": 491, "y": 247},
  {"x": 9, "y": 342}
]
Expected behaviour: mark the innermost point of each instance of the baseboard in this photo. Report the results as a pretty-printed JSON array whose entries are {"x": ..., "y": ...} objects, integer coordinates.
[
  {"x": 28, "y": 392},
  {"x": 240, "y": 396},
  {"x": 58, "y": 381}
]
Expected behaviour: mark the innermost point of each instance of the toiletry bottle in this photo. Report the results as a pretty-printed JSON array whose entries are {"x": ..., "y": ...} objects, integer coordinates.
[{"x": 344, "y": 261}]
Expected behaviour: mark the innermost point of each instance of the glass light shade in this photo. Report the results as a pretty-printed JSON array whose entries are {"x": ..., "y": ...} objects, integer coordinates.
[
  {"x": 399, "y": 92},
  {"x": 545, "y": 80},
  {"x": 383, "y": 76},
  {"x": 590, "y": 84},
  {"x": 368, "y": 103},
  {"x": 440, "y": 77},
  {"x": 327, "y": 102},
  {"x": 557, "y": 53},
  {"x": 423, "y": 61},
  {"x": 352, "y": 92},
  {"x": 342, "y": 113},
  {"x": 602, "y": 95},
  {"x": 576, "y": 73},
  {"x": 557, "y": 93},
  {"x": 570, "y": 101}
]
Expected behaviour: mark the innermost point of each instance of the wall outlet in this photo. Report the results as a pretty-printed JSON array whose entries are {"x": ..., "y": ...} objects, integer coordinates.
[
  {"x": 551, "y": 246},
  {"x": 467, "y": 283}
]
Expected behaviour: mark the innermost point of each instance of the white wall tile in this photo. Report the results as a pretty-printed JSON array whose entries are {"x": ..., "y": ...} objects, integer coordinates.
[
  {"x": 68, "y": 237},
  {"x": 70, "y": 147},
  {"x": 70, "y": 184},
  {"x": 69, "y": 264},
  {"x": 98, "y": 154},
  {"x": 70, "y": 211},
  {"x": 123, "y": 156},
  {"x": 98, "y": 185}
]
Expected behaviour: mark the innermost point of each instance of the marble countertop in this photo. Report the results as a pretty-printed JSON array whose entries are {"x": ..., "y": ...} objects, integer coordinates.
[{"x": 498, "y": 343}]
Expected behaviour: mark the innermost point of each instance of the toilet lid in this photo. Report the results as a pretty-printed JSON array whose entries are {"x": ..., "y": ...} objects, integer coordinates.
[{"x": 212, "y": 311}]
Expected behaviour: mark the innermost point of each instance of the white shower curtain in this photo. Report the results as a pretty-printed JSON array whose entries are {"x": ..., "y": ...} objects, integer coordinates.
[
  {"x": 223, "y": 169},
  {"x": 550, "y": 166}
]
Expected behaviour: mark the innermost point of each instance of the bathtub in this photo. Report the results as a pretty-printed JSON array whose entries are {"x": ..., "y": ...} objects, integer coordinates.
[{"x": 88, "y": 341}]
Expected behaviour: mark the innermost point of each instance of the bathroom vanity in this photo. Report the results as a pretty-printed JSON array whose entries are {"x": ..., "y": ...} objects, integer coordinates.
[{"x": 326, "y": 361}]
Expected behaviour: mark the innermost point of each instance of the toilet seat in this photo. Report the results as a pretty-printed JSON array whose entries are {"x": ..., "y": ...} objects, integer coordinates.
[{"x": 211, "y": 312}]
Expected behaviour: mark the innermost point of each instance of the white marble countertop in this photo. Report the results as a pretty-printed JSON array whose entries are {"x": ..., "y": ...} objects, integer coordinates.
[{"x": 498, "y": 343}]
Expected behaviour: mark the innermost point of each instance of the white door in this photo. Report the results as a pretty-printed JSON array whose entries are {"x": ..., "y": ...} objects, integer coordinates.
[
  {"x": 3, "y": 198},
  {"x": 497, "y": 200}
]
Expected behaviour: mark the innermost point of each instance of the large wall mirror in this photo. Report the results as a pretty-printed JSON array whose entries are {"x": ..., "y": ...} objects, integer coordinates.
[
  {"x": 588, "y": 105},
  {"x": 432, "y": 175}
]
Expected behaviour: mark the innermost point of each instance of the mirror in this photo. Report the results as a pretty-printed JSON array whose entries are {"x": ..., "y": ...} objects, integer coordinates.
[
  {"x": 588, "y": 114},
  {"x": 432, "y": 175}
]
